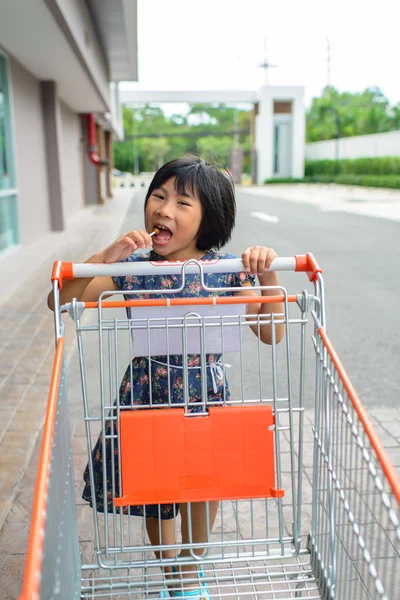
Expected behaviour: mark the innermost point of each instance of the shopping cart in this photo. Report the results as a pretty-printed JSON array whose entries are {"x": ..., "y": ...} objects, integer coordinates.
[{"x": 309, "y": 502}]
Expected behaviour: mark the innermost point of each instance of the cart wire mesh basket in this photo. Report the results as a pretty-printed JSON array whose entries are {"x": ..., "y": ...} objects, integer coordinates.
[{"x": 234, "y": 489}]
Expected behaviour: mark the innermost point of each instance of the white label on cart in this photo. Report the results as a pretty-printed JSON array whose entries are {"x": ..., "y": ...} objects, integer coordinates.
[{"x": 159, "y": 331}]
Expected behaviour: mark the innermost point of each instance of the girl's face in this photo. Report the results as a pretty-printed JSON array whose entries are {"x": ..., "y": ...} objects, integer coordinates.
[{"x": 179, "y": 217}]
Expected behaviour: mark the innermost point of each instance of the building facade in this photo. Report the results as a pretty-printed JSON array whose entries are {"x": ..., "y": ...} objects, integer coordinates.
[{"x": 60, "y": 64}]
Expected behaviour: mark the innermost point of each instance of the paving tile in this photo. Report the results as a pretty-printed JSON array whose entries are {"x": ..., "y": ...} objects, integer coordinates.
[
  {"x": 287, "y": 486},
  {"x": 392, "y": 427},
  {"x": 382, "y": 566},
  {"x": 385, "y": 415},
  {"x": 4, "y": 508},
  {"x": 79, "y": 445},
  {"x": 25, "y": 419},
  {"x": 12, "y": 569},
  {"x": 14, "y": 537},
  {"x": 24, "y": 496},
  {"x": 18, "y": 441},
  {"x": 80, "y": 462},
  {"x": 35, "y": 401},
  {"x": 385, "y": 436},
  {"x": 18, "y": 513},
  {"x": 11, "y": 469},
  {"x": 88, "y": 553},
  {"x": 394, "y": 455},
  {"x": 6, "y": 415},
  {"x": 79, "y": 485},
  {"x": 85, "y": 523}
]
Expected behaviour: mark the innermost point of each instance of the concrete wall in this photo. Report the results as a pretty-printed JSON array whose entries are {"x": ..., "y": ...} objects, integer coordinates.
[
  {"x": 71, "y": 162},
  {"x": 379, "y": 144},
  {"x": 33, "y": 201}
]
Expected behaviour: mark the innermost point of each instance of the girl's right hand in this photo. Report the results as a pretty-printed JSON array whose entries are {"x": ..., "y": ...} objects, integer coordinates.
[{"x": 125, "y": 245}]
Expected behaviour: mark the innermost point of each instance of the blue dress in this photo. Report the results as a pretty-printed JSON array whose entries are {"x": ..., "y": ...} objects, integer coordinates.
[{"x": 135, "y": 388}]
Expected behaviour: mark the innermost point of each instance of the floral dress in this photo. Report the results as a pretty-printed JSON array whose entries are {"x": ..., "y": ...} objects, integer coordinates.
[{"x": 135, "y": 386}]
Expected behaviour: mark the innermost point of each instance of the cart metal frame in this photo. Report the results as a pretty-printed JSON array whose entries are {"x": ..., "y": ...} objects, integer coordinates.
[{"x": 257, "y": 547}]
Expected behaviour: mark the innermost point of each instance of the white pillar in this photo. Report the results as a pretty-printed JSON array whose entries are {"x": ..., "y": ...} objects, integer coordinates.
[
  {"x": 265, "y": 129},
  {"x": 264, "y": 134},
  {"x": 299, "y": 134}
]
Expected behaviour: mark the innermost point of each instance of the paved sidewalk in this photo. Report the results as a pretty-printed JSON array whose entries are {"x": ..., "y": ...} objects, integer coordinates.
[{"x": 26, "y": 355}]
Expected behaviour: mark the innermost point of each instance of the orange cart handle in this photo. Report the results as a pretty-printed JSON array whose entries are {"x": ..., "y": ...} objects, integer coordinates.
[{"x": 69, "y": 270}]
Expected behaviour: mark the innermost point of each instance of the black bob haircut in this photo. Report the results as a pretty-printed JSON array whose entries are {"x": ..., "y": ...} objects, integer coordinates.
[{"x": 214, "y": 187}]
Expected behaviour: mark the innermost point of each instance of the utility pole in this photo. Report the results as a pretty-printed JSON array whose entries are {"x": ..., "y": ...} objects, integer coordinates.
[
  {"x": 332, "y": 108},
  {"x": 266, "y": 65},
  {"x": 328, "y": 67}
]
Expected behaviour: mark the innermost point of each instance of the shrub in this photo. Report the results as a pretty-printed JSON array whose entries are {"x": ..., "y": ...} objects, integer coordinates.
[
  {"x": 284, "y": 180},
  {"x": 387, "y": 181},
  {"x": 383, "y": 165}
]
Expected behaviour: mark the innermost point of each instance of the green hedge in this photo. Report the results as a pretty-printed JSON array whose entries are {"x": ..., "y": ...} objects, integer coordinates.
[
  {"x": 285, "y": 180},
  {"x": 387, "y": 181},
  {"x": 385, "y": 165}
]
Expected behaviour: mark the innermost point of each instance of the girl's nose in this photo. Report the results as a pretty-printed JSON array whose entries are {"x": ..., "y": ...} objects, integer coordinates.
[{"x": 165, "y": 210}]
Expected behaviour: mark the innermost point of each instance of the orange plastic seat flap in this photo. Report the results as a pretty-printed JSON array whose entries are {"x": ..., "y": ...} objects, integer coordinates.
[{"x": 167, "y": 457}]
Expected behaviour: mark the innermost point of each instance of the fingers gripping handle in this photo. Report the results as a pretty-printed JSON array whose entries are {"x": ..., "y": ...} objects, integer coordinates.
[{"x": 68, "y": 270}]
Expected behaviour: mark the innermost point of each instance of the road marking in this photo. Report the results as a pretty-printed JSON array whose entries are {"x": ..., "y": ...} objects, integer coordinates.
[{"x": 265, "y": 217}]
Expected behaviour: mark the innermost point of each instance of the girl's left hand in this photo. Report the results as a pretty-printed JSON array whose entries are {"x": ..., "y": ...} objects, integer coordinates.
[{"x": 258, "y": 259}]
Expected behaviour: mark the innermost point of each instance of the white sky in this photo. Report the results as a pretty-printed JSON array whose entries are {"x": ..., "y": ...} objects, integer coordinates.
[{"x": 217, "y": 44}]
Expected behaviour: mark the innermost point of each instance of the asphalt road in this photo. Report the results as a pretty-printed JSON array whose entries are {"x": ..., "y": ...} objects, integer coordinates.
[{"x": 360, "y": 258}]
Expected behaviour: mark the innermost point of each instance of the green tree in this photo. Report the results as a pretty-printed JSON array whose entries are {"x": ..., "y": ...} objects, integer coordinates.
[
  {"x": 155, "y": 149},
  {"x": 123, "y": 156},
  {"x": 346, "y": 114},
  {"x": 395, "y": 112},
  {"x": 215, "y": 149},
  {"x": 149, "y": 120}
]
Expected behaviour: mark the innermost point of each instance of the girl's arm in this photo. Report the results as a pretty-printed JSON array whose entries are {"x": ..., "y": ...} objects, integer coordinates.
[
  {"x": 88, "y": 289},
  {"x": 255, "y": 261}
]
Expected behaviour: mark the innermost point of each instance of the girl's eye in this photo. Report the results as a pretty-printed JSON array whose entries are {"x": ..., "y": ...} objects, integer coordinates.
[
  {"x": 184, "y": 203},
  {"x": 158, "y": 196}
]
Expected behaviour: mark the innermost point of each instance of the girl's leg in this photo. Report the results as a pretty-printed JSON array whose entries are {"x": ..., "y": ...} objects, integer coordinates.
[
  {"x": 162, "y": 532},
  {"x": 199, "y": 532}
]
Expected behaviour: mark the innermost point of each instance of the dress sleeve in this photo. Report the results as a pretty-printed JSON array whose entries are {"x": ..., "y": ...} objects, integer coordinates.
[{"x": 119, "y": 281}]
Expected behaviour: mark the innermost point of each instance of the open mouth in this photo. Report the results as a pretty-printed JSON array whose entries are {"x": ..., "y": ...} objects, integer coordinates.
[{"x": 164, "y": 236}]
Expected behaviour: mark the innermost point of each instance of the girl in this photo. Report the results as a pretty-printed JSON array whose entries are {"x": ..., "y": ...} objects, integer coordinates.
[{"x": 192, "y": 203}]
